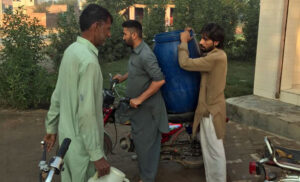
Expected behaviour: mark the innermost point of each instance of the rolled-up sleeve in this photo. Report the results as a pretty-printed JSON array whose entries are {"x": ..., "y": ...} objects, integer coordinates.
[
  {"x": 151, "y": 66},
  {"x": 90, "y": 128}
]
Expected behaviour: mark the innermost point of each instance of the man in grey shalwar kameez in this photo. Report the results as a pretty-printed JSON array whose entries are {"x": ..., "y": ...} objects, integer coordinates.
[{"x": 149, "y": 118}]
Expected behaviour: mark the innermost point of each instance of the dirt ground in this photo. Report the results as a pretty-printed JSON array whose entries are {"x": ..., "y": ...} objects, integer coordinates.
[{"x": 20, "y": 151}]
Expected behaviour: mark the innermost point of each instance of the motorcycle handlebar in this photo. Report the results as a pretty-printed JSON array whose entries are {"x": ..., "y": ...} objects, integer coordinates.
[
  {"x": 125, "y": 100},
  {"x": 116, "y": 81},
  {"x": 113, "y": 83}
]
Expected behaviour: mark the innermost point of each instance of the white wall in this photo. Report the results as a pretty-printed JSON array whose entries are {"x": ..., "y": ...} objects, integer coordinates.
[
  {"x": 291, "y": 63},
  {"x": 290, "y": 83},
  {"x": 268, "y": 47}
]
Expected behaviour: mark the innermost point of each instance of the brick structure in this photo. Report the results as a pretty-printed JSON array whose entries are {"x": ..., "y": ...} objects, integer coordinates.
[
  {"x": 57, "y": 8},
  {"x": 4, "y": 4},
  {"x": 49, "y": 18}
]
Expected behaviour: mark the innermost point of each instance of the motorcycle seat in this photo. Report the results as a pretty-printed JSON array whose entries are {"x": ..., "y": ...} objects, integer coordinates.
[
  {"x": 289, "y": 155},
  {"x": 181, "y": 117}
]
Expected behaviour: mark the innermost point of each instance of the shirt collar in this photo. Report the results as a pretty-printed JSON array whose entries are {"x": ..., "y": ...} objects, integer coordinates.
[
  {"x": 212, "y": 51},
  {"x": 139, "y": 48},
  {"x": 86, "y": 42}
]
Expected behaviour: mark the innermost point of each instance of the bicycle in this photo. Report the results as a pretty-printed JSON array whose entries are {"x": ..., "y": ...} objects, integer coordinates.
[{"x": 47, "y": 171}]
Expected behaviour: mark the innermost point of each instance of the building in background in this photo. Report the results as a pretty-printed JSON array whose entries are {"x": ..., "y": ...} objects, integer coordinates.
[
  {"x": 25, "y": 3},
  {"x": 277, "y": 71},
  {"x": 136, "y": 12},
  {"x": 81, "y": 4},
  {"x": 47, "y": 19}
]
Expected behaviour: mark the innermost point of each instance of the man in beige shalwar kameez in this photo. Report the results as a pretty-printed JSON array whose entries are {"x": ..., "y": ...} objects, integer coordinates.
[{"x": 211, "y": 109}]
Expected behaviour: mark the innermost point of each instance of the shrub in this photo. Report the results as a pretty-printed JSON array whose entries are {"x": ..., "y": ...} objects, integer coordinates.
[
  {"x": 251, "y": 20},
  {"x": 198, "y": 13},
  {"x": 67, "y": 32},
  {"x": 23, "y": 83},
  {"x": 114, "y": 48}
]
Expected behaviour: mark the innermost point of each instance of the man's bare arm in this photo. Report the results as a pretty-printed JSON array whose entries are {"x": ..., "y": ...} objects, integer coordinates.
[{"x": 152, "y": 89}]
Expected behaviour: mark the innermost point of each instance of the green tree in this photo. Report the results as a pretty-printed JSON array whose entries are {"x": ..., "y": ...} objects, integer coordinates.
[
  {"x": 182, "y": 14},
  {"x": 67, "y": 32},
  {"x": 250, "y": 29},
  {"x": 114, "y": 6},
  {"x": 23, "y": 83},
  {"x": 42, "y": 8},
  {"x": 198, "y": 13},
  {"x": 114, "y": 48},
  {"x": 68, "y": 2},
  {"x": 154, "y": 19}
]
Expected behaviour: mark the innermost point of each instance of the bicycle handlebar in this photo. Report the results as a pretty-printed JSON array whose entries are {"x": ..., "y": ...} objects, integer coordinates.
[
  {"x": 44, "y": 150},
  {"x": 57, "y": 161},
  {"x": 64, "y": 147}
]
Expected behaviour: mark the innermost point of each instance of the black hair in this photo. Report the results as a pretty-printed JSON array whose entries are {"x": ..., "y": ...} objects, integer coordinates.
[
  {"x": 214, "y": 32},
  {"x": 135, "y": 25},
  {"x": 91, "y": 14}
]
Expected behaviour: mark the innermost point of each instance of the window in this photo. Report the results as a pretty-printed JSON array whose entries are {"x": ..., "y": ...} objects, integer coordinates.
[
  {"x": 171, "y": 16},
  {"x": 139, "y": 14}
]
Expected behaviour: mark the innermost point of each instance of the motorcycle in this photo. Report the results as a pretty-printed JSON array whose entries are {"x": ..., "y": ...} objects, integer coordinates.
[
  {"x": 176, "y": 145},
  {"x": 287, "y": 160},
  {"x": 111, "y": 101}
]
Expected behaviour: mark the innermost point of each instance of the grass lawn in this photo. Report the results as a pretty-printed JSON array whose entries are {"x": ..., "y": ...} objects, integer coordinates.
[
  {"x": 240, "y": 76},
  {"x": 114, "y": 68}
]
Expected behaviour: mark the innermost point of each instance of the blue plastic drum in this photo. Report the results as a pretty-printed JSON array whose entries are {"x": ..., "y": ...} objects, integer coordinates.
[{"x": 181, "y": 90}]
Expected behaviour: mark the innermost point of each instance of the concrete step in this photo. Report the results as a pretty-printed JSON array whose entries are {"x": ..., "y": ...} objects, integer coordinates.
[{"x": 267, "y": 114}]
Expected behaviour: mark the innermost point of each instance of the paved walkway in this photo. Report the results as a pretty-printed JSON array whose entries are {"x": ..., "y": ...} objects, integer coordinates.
[
  {"x": 267, "y": 114},
  {"x": 20, "y": 152}
]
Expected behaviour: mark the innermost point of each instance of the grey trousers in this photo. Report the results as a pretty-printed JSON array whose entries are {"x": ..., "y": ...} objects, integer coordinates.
[{"x": 146, "y": 137}]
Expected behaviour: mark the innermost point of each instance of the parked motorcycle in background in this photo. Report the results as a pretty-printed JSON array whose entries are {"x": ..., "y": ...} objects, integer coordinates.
[{"x": 287, "y": 160}]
